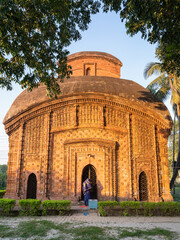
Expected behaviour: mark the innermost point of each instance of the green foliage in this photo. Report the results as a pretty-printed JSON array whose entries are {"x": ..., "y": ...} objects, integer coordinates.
[
  {"x": 107, "y": 203},
  {"x": 169, "y": 55},
  {"x": 34, "y": 37},
  {"x": 160, "y": 86},
  {"x": 29, "y": 207},
  {"x": 3, "y": 176},
  {"x": 131, "y": 208},
  {"x": 103, "y": 204},
  {"x": 42, "y": 229},
  {"x": 30, "y": 229},
  {"x": 170, "y": 147},
  {"x": 143, "y": 234},
  {"x": 176, "y": 192},
  {"x": 102, "y": 211},
  {"x": 2, "y": 192},
  {"x": 157, "y": 21},
  {"x": 129, "y": 205},
  {"x": 169, "y": 208},
  {"x": 62, "y": 206},
  {"x": 7, "y": 205},
  {"x": 149, "y": 208}
]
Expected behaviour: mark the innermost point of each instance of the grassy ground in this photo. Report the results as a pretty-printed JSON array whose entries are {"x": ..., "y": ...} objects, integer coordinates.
[{"x": 49, "y": 230}]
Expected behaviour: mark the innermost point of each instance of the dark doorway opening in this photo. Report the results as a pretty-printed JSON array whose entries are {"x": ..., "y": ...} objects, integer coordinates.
[
  {"x": 89, "y": 172},
  {"x": 143, "y": 187},
  {"x": 31, "y": 186},
  {"x": 88, "y": 72}
]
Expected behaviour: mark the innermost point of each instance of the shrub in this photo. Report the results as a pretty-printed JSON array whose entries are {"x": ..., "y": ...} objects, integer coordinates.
[
  {"x": 169, "y": 208},
  {"x": 149, "y": 208},
  {"x": 61, "y": 206},
  {"x": 29, "y": 207},
  {"x": 2, "y": 192},
  {"x": 102, "y": 206},
  {"x": 107, "y": 204},
  {"x": 129, "y": 206},
  {"x": 7, "y": 205}
]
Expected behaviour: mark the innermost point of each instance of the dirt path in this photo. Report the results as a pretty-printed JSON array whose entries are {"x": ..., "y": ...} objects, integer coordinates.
[{"x": 168, "y": 223}]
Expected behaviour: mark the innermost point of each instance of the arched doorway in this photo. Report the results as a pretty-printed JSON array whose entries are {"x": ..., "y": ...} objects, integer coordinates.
[
  {"x": 31, "y": 186},
  {"x": 143, "y": 187},
  {"x": 89, "y": 172},
  {"x": 88, "y": 71}
]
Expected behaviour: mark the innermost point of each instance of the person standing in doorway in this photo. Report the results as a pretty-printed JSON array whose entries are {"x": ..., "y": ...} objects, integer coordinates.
[{"x": 86, "y": 191}]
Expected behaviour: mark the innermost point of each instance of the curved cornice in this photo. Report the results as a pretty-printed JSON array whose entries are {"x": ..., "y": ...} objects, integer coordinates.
[
  {"x": 121, "y": 89},
  {"x": 96, "y": 54},
  {"x": 124, "y": 105}
]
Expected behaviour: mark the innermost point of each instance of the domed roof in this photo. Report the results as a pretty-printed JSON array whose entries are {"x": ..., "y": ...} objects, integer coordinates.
[
  {"x": 94, "y": 54},
  {"x": 74, "y": 86}
]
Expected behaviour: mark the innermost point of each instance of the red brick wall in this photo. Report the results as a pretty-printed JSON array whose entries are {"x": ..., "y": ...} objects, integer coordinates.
[
  {"x": 98, "y": 67},
  {"x": 53, "y": 141},
  {"x": 55, "y": 147}
]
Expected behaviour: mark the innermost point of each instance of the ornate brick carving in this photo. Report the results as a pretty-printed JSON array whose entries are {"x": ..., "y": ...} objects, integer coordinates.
[
  {"x": 34, "y": 135},
  {"x": 114, "y": 117},
  {"x": 143, "y": 136},
  {"x": 108, "y": 130},
  {"x": 101, "y": 155},
  {"x": 15, "y": 123},
  {"x": 63, "y": 117},
  {"x": 12, "y": 164},
  {"x": 90, "y": 114}
]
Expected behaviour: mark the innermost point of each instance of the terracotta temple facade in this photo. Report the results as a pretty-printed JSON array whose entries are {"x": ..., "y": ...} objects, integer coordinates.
[{"x": 101, "y": 126}]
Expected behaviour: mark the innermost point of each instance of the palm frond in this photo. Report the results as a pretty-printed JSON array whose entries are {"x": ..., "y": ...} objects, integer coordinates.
[
  {"x": 152, "y": 68},
  {"x": 162, "y": 85},
  {"x": 153, "y": 89},
  {"x": 162, "y": 79},
  {"x": 161, "y": 92}
]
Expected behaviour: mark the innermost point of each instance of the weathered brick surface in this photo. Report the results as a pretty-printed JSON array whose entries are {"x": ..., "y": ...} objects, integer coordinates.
[
  {"x": 94, "y": 64},
  {"x": 57, "y": 139}
]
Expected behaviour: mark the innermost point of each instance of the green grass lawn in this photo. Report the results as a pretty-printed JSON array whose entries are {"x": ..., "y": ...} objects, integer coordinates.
[{"x": 49, "y": 230}]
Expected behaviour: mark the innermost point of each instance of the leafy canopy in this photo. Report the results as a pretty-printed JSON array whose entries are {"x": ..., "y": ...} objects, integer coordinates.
[
  {"x": 34, "y": 35},
  {"x": 158, "y": 21}
]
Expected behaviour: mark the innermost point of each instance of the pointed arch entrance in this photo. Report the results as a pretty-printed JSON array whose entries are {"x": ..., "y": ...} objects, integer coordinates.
[
  {"x": 143, "y": 187},
  {"x": 31, "y": 186},
  {"x": 89, "y": 172}
]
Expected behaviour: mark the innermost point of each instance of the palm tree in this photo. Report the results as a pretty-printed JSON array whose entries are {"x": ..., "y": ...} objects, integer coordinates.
[
  {"x": 175, "y": 90},
  {"x": 161, "y": 87}
]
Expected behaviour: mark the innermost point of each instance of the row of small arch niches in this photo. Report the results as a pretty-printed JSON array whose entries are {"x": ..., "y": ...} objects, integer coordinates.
[{"x": 89, "y": 171}]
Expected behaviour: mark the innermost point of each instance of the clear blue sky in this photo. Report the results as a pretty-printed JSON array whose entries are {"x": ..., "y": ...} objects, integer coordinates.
[{"x": 106, "y": 33}]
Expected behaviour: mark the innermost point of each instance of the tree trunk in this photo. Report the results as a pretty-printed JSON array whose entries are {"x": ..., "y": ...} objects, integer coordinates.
[
  {"x": 177, "y": 167},
  {"x": 174, "y": 133}
]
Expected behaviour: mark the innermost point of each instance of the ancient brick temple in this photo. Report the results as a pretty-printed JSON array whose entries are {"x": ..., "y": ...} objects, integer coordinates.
[{"x": 101, "y": 126}]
